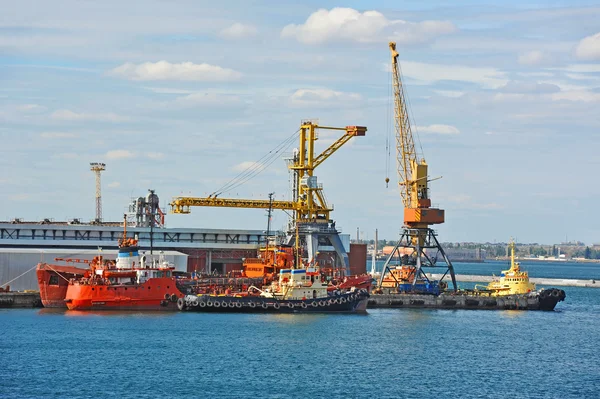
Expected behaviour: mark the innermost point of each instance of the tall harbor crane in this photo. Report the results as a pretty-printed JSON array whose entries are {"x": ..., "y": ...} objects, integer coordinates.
[
  {"x": 310, "y": 211},
  {"x": 417, "y": 237}
]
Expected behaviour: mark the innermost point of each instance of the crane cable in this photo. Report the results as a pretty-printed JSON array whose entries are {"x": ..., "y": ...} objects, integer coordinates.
[
  {"x": 388, "y": 130},
  {"x": 20, "y": 275},
  {"x": 257, "y": 167}
]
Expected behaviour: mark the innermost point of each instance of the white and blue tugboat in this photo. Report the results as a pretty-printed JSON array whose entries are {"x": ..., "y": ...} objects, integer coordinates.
[{"x": 296, "y": 291}]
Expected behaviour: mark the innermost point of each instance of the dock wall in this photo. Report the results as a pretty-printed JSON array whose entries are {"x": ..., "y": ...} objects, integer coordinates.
[{"x": 20, "y": 300}]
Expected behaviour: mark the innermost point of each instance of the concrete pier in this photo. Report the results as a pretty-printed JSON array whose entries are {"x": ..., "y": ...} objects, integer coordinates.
[
  {"x": 561, "y": 282},
  {"x": 20, "y": 300}
]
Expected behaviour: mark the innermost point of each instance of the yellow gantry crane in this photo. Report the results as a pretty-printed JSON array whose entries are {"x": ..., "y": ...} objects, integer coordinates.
[
  {"x": 308, "y": 202},
  {"x": 311, "y": 213},
  {"x": 413, "y": 181}
]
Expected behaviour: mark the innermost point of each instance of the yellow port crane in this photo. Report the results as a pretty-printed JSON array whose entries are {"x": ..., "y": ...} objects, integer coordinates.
[
  {"x": 413, "y": 181},
  {"x": 311, "y": 213}
]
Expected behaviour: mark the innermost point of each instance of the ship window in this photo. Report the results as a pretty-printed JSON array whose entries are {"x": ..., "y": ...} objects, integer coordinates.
[
  {"x": 92, "y": 288},
  {"x": 53, "y": 280}
]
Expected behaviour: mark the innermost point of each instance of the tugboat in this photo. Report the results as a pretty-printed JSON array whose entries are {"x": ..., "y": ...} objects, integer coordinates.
[
  {"x": 296, "y": 291},
  {"x": 132, "y": 283},
  {"x": 512, "y": 281},
  {"x": 515, "y": 281}
]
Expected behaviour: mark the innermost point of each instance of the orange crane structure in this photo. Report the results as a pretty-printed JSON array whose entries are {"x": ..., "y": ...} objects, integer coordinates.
[
  {"x": 418, "y": 246},
  {"x": 311, "y": 221}
]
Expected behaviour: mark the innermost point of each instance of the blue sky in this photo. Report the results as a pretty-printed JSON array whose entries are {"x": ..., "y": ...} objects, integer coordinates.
[{"x": 180, "y": 96}]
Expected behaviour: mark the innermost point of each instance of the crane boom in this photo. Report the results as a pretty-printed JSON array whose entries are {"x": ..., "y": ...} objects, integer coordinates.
[
  {"x": 309, "y": 203},
  {"x": 182, "y": 204},
  {"x": 406, "y": 155}
]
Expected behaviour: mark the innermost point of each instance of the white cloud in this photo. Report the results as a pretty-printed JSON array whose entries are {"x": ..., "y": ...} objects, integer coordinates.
[
  {"x": 168, "y": 90},
  {"x": 449, "y": 93},
  {"x": 308, "y": 97},
  {"x": 438, "y": 129},
  {"x": 242, "y": 166},
  {"x": 119, "y": 154},
  {"x": 155, "y": 155},
  {"x": 589, "y": 48},
  {"x": 431, "y": 73},
  {"x": 68, "y": 115},
  {"x": 208, "y": 99},
  {"x": 536, "y": 74},
  {"x": 577, "y": 96},
  {"x": 238, "y": 31},
  {"x": 67, "y": 155},
  {"x": 535, "y": 57},
  {"x": 347, "y": 24},
  {"x": 20, "y": 197},
  {"x": 57, "y": 135},
  {"x": 31, "y": 108},
  {"x": 163, "y": 70},
  {"x": 114, "y": 184},
  {"x": 581, "y": 68},
  {"x": 47, "y": 40},
  {"x": 529, "y": 87},
  {"x": 581, "y": 76}
]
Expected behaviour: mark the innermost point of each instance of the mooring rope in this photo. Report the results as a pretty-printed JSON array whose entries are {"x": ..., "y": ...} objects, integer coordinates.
[{"x": 20, "y": 275}]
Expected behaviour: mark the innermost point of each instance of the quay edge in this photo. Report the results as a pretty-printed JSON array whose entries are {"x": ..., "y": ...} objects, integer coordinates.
[{"x": 20, "y": 300}]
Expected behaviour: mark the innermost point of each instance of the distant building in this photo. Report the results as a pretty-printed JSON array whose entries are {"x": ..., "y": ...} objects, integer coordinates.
[{"x": 465, "y": 255}]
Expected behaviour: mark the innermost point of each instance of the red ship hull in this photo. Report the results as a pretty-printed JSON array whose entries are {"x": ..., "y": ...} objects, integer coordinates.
[
  {"x": 53, "y": 281},
  {"x": 151, "y": 295}
]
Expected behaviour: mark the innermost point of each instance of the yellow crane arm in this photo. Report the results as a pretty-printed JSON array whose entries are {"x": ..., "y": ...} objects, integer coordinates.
[
  {"x": 183, "y": 204},
  {"x": 309, "y": 202},
  {"x": 405, "y": 145},
  {"x": 350, "y": 131},
  {"x": 412, "y": 173}
]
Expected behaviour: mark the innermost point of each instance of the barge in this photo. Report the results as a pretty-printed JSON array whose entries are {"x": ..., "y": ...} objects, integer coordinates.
[{"x": 540, "y": 300}]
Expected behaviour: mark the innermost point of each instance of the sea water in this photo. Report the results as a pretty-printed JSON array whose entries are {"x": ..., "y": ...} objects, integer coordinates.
[{"x": 387, "y": 353}]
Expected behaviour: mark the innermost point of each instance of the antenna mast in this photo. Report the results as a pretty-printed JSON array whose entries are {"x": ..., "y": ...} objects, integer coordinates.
[{"x": 97, "y": 168}]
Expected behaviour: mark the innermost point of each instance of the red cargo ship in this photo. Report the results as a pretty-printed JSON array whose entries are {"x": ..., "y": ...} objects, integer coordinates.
[
  {"x": 53, "y": 281},
  {"x": 132, "y": 283}
]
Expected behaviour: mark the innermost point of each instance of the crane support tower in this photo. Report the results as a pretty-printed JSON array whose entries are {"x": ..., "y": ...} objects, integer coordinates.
[
  {"x": 311, "y": 220},
  {"x": 97, "y": 168},
  {"x": 418, "y": 247}
]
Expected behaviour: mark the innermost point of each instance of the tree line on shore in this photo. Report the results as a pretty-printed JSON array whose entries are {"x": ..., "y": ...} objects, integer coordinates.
[{"x": 577, "y": 250}]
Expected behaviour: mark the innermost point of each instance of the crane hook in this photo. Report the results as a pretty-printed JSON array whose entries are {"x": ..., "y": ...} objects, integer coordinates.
[{"x": 387, "y": 180}]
